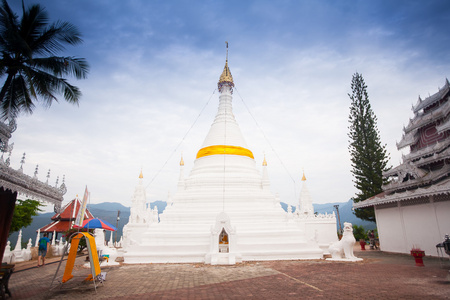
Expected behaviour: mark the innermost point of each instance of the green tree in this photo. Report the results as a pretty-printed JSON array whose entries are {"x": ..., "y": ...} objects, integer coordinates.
[
  {"x": 28, "y": 64},
  {"x": 24, "y": 212},
  {"x": 369, "y": 158},
  {"x": 359, "y": 232},
  {"x": 82, "y": 244}
]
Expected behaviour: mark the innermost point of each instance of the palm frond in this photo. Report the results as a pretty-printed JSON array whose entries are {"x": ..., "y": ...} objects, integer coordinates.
[
  {"x": 54, "y": 37},
  {"x": 46, "y": 85},
  {"x": 33, "y": 23},
  {"x": 8, "y": 28},
  {"x": 63, "y": 66},
  {"x": 17, "y": 99},
  {"x": 72, "y": 94}
]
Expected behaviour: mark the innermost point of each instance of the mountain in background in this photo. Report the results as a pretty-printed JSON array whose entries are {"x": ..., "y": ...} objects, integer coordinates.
[{"x": 108, "y": 211}]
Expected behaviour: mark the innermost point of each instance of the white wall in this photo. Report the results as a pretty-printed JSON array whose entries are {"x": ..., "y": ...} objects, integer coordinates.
[
  {"x": 443, "y": 217},
  {"x": 390, "y": 230},
  {"x": 420, "y": 225}
]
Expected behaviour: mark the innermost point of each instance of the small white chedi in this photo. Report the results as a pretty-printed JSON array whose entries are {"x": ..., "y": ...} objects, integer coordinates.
[
  {"x": 343, "y": 249},
  {"x": 224, "y": 211},
  {"x": 109, "y": 252}
]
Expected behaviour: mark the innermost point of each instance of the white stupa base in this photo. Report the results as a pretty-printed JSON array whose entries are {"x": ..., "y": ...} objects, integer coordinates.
[
  {"x": 345, "y": 259},
  {"x": 254, "y": 241},
  {"x": 222, "y": 258},
  {"x": 201, "y": 253},
  {"x": 217, "y": 258},
  {"x": 103, "y": 264}
]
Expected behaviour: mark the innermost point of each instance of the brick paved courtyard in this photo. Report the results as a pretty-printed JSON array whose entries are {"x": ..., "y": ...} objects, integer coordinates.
[{"x": 379, "y": 276}]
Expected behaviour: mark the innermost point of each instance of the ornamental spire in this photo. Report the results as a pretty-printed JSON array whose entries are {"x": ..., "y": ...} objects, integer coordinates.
[
  {"x": 303, "y": 177},
  {"x": 226, "y": 79}
]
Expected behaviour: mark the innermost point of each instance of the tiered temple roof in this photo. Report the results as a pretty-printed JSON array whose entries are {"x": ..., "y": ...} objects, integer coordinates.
[{"x": 425, "y": 171}]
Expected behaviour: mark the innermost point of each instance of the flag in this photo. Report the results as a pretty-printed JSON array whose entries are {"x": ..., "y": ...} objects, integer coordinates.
[{"x": 80, "y": 216}]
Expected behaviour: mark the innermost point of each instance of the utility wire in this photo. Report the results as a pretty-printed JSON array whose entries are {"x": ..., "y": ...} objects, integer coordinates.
[
  {"x": 182, "y": 140},
  {"x": 268, "y": 141}
]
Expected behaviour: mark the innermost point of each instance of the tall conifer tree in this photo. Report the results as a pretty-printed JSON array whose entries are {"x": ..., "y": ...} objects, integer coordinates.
[{"x": 369, "y": 158}]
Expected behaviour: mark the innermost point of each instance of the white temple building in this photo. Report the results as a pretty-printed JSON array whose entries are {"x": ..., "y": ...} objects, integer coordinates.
[
  {"x": 224, "y": 211},
  {"x": 414, "y": 208}
]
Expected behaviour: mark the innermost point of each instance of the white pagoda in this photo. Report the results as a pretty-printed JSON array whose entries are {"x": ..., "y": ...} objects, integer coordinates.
[{"x": 224, "y": 211}]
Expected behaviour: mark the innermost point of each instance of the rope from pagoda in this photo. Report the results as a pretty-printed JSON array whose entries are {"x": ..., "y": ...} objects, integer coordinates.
[
  {"x": 268, "y": 142},
  {"x": 182, "y": 140}
]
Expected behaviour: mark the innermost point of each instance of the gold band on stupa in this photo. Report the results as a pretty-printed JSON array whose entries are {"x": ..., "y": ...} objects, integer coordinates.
[{"x": 224, "y": 149}]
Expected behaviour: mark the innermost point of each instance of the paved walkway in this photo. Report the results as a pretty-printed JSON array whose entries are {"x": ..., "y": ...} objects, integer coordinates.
[{"x": 379, "y": 276}]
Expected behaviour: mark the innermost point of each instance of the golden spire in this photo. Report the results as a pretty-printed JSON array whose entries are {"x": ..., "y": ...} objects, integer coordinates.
[
  {"x": 182, "y": 160},
  {"x": 140, "y": 175},
  {"x": 226, "y": 78},
  {"x": 303, "y": 177},
  {"x": 264, "y": 161}
]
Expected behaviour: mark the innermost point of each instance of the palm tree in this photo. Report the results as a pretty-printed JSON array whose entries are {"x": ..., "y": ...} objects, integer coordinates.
[{"x": 29, "y": 63}]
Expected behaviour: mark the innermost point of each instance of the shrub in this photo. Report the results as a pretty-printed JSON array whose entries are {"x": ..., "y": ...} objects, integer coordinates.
[{"x": 359, "y": 232}]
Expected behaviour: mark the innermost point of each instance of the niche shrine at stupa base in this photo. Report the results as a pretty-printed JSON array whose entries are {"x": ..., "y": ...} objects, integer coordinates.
[{"x": 224, "y": 211}]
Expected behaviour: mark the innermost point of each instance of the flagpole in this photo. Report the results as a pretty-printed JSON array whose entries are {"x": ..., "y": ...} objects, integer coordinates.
[
  {"x": 82, "y": 209},
  {"x": 89, "y": 201}
]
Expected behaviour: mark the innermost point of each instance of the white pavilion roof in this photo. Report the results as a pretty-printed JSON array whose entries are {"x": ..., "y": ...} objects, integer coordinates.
[{"x": 442, "y": 188}]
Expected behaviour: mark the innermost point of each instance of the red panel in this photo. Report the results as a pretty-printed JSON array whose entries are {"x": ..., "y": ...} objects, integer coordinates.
[
  {"x": 429, "y": 136},
  {"x": 7, "y": 204},
  {"x": 67, "y": 213},
  {"x": 58, "y": 226}
]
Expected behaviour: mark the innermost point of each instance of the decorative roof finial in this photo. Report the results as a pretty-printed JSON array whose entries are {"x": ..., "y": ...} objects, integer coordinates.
[
  {"x": 63, "y": 188},
  {"x": 226, "y": 42},
  {"x": 8, "y": 160},
  {"x": 182, "y": 160},
  {"x": 22, "y": 161},
  {"x": 303, "y": 177},
  {"x": 36, "y": 171},
  {"x": 141, "y": 175},
  {"x": 264, "y": 161},
  {"x": 226, "y": 79}
]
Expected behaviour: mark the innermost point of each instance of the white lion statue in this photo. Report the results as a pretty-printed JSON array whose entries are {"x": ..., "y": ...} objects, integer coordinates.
[{"x": 343, "y": 249}]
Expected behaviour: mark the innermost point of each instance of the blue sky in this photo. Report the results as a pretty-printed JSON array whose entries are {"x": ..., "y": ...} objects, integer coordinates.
[{"x": 155, "y": 64}]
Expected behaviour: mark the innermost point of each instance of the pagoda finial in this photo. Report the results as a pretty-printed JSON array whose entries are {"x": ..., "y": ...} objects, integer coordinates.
[
  {"x": 264, "y": 161},
  {"x": 226, "y": 79},
  {"x": 141, "y": 175},
  {"x": 182, "y": 160},
  {"x": 226, "y": 42},
  {"x": 303, "y": 177}
]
